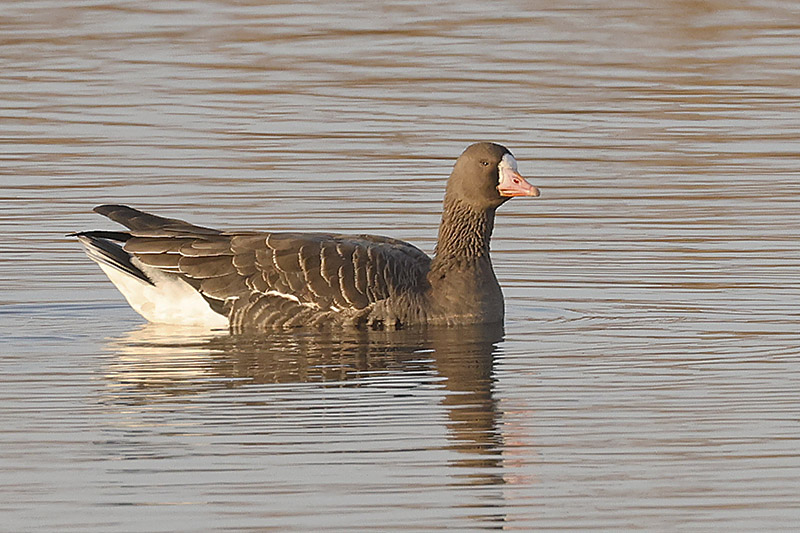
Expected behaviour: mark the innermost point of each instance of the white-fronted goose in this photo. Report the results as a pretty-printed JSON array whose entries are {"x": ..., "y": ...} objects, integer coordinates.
[{"x": 174, "y": 272}]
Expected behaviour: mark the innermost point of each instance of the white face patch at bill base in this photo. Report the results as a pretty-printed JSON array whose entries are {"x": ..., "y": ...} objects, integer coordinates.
[
  {"x": 507, "y": 168},
  {"x": 508, "y": 161},
  {"x": 509, "y": 182}
]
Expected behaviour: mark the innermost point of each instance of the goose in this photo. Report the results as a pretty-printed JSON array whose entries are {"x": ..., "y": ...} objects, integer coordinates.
[{"x": 174, "y": 272}]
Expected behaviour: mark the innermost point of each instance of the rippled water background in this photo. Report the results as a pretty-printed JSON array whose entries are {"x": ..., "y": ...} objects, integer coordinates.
[{"x": 648, "y": 375}]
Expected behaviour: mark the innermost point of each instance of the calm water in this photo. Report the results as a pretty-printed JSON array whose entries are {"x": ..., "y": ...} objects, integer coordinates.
[{"x": 647, "y": 376}]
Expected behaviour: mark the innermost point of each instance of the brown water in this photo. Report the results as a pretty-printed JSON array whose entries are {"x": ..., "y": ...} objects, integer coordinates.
[{"x": 647, "y": 377}]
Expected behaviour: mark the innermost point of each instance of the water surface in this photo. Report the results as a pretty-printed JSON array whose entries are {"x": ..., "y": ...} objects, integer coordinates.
[{"x": 646, "y": 377}]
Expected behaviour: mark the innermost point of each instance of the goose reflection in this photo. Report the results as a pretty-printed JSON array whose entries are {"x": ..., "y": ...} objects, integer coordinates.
[{"x": 157, "y": 363}]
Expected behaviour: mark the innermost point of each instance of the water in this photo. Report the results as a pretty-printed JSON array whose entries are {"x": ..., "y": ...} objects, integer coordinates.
[{"x": 647, "y": 374}]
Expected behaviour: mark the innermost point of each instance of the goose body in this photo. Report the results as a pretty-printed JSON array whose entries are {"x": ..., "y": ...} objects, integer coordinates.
[{"x": 174, "y": 272}]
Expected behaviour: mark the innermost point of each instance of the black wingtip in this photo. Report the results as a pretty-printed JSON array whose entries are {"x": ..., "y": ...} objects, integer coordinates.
[
  {"x": 106, "y": 207},
  {"x": 101, "y": 246},
  {"x": 144, "y": 224},
  {"x": 120, "y": 236}
]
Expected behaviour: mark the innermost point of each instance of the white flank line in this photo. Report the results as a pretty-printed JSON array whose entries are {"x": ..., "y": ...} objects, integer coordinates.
[{"x": 291, "y": 297}]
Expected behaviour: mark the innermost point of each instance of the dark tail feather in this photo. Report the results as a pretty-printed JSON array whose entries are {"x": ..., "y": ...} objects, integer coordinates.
[
  {"x": 144, "y": 224},
  {"x": 103, "y": 247},
  {"x": 120, "y": 236}
]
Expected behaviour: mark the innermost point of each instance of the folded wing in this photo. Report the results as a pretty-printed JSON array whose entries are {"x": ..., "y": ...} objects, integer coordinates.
[{"x": 267, "y": 280}]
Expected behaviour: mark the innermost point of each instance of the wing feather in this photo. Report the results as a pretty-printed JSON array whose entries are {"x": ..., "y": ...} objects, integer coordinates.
[
  {"x": 211, "y": 266},
  {"x": 275, "y": 278},
  {"x": 164, "y": 261},
  {"x": 224, "y": 287}
]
